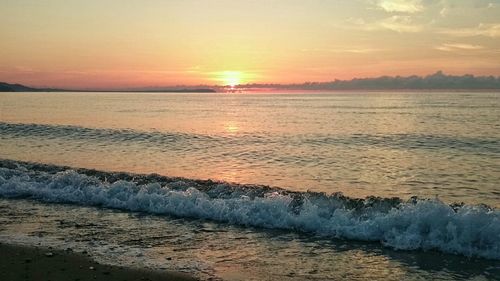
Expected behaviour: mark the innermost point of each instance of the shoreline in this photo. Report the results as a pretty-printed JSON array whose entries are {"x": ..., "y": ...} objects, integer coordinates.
[{"x": 36, "y": 263}]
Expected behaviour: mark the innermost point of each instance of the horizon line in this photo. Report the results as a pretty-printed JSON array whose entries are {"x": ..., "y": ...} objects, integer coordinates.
[{"x": 277, "y": 86}]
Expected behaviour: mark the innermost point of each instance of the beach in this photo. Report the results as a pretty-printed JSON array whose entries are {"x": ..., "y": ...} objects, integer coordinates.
[{"x": 19, "y": 263}]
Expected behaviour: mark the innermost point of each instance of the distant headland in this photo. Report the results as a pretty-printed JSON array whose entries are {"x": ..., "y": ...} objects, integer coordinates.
[{"x": 6, "y": 87}]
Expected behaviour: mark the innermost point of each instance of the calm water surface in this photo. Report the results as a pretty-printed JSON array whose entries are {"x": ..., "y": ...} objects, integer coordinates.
[{"x": 361, "y": 144}]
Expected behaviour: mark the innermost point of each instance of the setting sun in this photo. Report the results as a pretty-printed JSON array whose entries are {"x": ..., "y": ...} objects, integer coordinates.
[{"x": 230, "y": 78}]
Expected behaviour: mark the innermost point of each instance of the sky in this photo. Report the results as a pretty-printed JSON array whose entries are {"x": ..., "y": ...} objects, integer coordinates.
[{"x": 136, "y": 43}]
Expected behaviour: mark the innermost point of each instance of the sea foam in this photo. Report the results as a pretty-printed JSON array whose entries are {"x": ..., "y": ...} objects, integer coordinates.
[{"x": 410, "y": 225}]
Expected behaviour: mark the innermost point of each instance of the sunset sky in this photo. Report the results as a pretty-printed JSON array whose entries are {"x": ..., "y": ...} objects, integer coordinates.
[{"x": 135, "y": 43}]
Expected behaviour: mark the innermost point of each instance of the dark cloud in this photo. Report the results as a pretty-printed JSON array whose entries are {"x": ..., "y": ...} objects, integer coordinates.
[{"x": 436, "y": 81}]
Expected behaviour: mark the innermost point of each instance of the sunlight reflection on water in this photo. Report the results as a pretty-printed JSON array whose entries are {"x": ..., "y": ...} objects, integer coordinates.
[{"x": 384, "y": 144}]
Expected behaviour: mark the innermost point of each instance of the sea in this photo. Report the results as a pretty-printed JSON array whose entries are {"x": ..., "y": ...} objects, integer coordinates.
[{"x": 258, "y": 185}]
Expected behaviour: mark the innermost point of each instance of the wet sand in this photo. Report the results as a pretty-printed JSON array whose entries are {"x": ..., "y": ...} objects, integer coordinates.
[{"x": 30, "y": 263}]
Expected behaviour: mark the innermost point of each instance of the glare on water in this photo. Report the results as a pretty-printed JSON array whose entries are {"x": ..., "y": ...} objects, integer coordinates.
[{"x": 361, "y": 144}]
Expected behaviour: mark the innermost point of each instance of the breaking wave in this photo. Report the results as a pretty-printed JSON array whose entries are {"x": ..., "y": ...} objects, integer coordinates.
[{"x": 401, "y": 224}]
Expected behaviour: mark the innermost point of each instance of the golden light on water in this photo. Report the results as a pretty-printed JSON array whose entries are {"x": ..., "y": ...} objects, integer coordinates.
[{"x": 231, "y": 127}]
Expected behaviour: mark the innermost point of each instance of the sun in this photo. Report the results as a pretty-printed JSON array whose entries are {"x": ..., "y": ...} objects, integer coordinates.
[{"x": 231, "y": 78}]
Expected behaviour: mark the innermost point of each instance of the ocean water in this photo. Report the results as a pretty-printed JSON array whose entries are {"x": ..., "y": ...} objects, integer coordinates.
[{"x": 263, "y": 186}]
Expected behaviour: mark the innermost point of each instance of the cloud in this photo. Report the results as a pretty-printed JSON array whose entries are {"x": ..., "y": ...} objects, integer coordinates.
[
  {"x": 461, "y": 8},
  {"x": 357, "y": 50},
  {"x": 399, "y": 24},
  {"x": 444, "y": 12},
  {"x": 458, "y": 47},
  {"x": 438, "y": 80},
  {"x": 399, "y": 6},
  {"x": 488, "y": 30},
  {"x": 353, "y": 50}
]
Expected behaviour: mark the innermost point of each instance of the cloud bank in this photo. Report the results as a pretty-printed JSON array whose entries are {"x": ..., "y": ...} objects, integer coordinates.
[
  {"x": 436, "y": 81},
  {"x": 402, "y": 6}
]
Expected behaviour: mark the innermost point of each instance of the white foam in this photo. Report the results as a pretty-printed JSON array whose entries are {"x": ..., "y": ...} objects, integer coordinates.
[{"x": 424, "y": 224}]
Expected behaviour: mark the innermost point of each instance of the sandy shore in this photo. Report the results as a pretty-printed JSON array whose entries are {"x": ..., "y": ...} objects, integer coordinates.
[{"x": 30, "y": 263}]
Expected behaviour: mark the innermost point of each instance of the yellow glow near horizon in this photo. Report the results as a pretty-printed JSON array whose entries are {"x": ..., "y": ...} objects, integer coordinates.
[{"x": 230, "y": 78}]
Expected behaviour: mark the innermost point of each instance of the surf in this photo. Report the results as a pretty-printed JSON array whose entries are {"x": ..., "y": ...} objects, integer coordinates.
[{"x": 411, "y": 224}]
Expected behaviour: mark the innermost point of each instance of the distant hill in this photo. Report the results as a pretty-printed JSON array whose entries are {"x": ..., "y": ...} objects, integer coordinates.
[{"x": 6, "y": 87}]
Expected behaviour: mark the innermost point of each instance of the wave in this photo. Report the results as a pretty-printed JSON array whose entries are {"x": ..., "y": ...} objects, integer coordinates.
[
  {"x": 178, "y": 141},
  {"x": 427, "y": 224},
  {"x": 126, "y": 136}
]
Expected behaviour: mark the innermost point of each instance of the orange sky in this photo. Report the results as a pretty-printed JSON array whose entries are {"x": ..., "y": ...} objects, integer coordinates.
[{"x": 133, "y": 43}]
